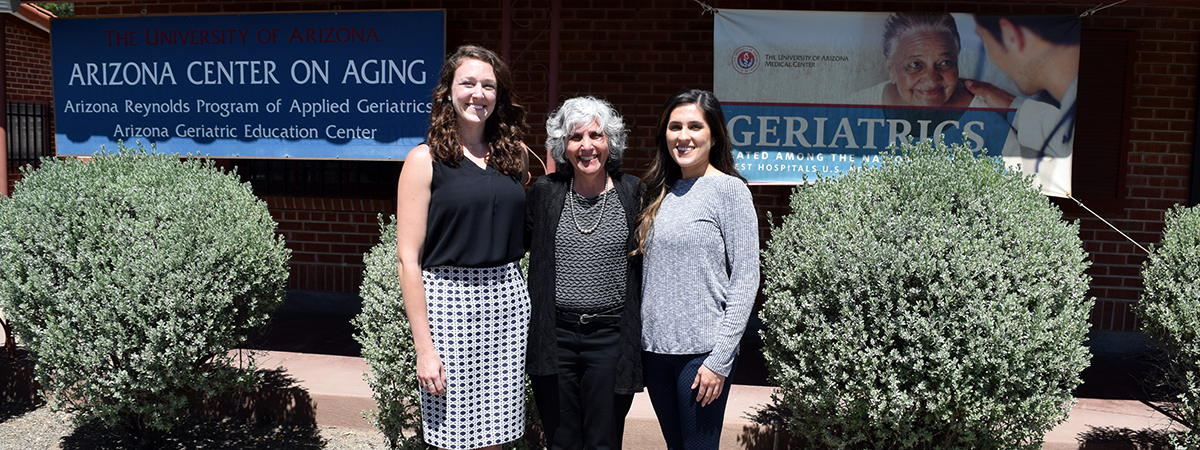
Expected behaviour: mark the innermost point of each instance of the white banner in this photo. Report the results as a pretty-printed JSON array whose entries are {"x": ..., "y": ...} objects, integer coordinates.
[{"x": 812, "y": 94}]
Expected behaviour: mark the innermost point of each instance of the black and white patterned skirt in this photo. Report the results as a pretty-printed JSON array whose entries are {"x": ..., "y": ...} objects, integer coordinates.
[{"x": 479, "y": 319}]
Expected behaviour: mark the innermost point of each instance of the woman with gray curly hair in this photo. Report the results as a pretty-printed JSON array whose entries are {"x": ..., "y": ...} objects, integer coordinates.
[
  {"x": 922, "y": 62},
  {"x": 584, "y": 354}
]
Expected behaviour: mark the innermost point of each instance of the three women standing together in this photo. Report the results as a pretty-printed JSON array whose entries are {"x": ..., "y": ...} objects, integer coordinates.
[{"x": 597, "y": 332}]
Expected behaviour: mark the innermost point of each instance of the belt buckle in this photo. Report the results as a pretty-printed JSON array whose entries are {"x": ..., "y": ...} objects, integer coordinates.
[{"x": 586, "y": 318}]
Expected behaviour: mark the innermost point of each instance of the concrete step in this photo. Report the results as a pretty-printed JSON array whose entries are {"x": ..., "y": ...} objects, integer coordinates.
[
  {"x": 335, "y": 387},
  {"x": 337, "y": 395}
]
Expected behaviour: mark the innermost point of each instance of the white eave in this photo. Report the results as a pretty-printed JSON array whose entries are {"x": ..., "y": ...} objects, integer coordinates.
[{"x": 34, "y": 15}]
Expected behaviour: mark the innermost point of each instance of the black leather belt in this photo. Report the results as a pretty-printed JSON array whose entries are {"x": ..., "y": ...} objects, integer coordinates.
[{"x": 611, "y": 315}]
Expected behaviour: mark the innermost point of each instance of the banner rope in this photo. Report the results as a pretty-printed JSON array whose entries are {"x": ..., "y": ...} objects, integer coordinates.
[
  {"x": 1077, "y": 202},
  {"x": 707, "y": 9},
  {"x": 1098, "y": 8}
]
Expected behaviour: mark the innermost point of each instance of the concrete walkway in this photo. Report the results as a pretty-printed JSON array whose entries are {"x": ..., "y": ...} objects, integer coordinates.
[
  {"x": 314, "y": 376},
  {"x": 338, "y": 395}
]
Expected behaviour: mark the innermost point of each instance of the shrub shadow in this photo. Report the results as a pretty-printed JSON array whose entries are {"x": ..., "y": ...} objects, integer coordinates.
[
  {"x": 11, "y": 409},
  {"x": 17, "y": 383},
  {"x": 299, "y": 332},
  {"x": 761, "y": 437},
  {"x": 199, "y": 433},
  {"x": 1112, "y": 438},
  {"x": 278, "y": 399},
  {"x": 279, "y": 415},
  {"x": 1117, "y": 376},
  {"x": 767, "y": 431}
]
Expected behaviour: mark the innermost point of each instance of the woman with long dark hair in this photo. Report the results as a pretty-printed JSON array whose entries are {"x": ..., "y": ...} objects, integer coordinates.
[
  {"x": 460, "y": 220},
  {"x": 699, "y": 238}
]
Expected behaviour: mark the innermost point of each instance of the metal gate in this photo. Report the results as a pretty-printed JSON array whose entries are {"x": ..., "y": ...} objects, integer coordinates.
[{"x": 28, "y": 133}]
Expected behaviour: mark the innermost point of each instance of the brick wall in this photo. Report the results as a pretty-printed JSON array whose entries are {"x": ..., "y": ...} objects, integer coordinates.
[
  {"x": 28, "y": 77},
  {"x": 1158, "y": 165},
  {"x": 28, "y": 59},
  {"x": 328, "y": 237},
  {"x": 635, "y": 53}
]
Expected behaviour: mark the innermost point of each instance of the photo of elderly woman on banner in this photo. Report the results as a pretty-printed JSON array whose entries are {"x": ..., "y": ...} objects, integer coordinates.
[{"x": 810, "y": 93}]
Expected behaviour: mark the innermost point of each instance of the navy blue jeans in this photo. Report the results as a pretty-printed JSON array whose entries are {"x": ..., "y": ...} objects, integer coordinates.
[{"x": 685, "y": 424}]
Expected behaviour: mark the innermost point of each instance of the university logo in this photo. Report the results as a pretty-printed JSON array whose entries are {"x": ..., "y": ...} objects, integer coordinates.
[{"x": 745, "y": 59}]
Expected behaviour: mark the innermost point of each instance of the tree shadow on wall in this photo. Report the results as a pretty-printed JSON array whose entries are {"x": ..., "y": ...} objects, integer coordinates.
[{"x": 279, "y": 415}]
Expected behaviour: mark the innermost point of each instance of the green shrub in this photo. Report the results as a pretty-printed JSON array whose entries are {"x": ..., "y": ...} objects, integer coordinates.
[
  {"x": 387, "y": 346},
  {"x": 1170, "y": 313},
  {"x": 934, "y": 302},
  {"x": 131, "y": 277}
]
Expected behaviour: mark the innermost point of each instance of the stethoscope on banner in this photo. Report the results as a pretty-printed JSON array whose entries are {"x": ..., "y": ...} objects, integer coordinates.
[{"x": 1066, "y": 120}]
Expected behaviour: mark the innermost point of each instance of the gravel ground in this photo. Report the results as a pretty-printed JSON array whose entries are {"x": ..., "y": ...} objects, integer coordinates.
[{"x": 29, "y": 426}]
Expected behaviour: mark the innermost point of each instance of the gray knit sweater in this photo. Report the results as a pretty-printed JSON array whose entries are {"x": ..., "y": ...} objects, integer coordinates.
[{"x": 701, "y": 271}]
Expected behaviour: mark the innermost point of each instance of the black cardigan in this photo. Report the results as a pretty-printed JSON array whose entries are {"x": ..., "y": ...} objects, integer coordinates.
[{"x": 543, "y": 208}]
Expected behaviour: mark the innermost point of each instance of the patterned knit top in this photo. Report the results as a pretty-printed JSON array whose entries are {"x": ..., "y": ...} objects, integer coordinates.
[
  {"x": 590, "y": 275},
  {"x": 701, "y": 271}
]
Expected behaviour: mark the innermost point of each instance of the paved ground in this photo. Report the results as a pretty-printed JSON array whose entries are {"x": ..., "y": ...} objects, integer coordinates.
[
  {"x": 317, "y": 378},
  {"x": 1115, "y": 410}
]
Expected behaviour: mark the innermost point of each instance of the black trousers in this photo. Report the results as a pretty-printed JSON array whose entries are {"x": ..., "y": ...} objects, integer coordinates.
[{"x": 577, "y": 405}]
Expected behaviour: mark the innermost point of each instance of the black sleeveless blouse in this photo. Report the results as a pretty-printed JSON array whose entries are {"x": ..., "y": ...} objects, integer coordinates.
[{"x": 476, "y": 217}]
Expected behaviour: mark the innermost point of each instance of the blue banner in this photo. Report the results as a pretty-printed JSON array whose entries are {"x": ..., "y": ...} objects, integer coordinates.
[
  {"x": 350, "y": 85},
  {"x": 786, "y": 143}
]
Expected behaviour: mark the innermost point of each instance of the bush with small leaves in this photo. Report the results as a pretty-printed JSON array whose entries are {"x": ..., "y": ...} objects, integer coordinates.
[
  {"x": 130, "y": 278},
  {"x": 936, "y": 301},
  {"x": 1170, "y": 313},
  {"x": 387, "y": 346}
]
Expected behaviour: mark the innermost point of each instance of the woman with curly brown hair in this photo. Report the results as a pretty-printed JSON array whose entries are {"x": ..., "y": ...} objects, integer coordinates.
[{"x": 460, "y": 216}]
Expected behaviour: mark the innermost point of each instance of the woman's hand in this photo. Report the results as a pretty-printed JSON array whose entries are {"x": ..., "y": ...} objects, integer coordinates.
[
  {"x": 430, "y": 374},
  {"x": 708, "y": 385},
  {"x": 992, "y": 95},
  {"x": 412, "y": 206}
]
